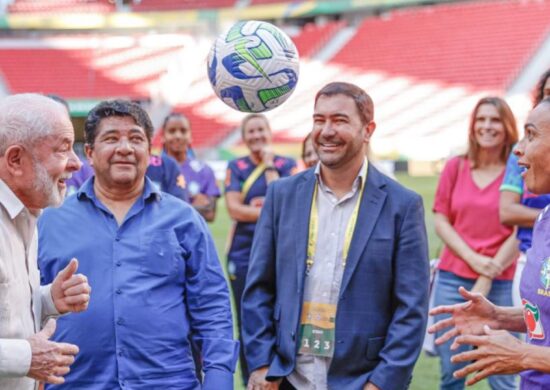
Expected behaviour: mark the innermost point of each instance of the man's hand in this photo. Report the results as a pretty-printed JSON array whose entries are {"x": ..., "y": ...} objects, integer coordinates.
[
  {"x": 257, "y": 381},
  {"x": 467, "y": 318},
  {"x": 50, "y": 360},
  {"x": 497, "y": 352},
  {"x": 370, "y": 386},
  {"x": 70, "y": 292}
]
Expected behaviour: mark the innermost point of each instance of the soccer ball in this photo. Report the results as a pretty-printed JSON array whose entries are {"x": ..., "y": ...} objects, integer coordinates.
[{"x": 253, "y": 67}]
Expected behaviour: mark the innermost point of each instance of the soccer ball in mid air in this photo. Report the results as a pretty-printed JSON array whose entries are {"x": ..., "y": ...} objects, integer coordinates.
[{"x": 253, "y": 67}]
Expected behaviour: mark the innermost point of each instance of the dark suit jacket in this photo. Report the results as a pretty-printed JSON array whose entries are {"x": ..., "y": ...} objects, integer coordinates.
[{"x": 382, "y": 308}]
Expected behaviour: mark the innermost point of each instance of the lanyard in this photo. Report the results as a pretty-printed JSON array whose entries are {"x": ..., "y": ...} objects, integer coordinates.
[
  {"x": 256, "y": 173},
  {"x": 314, "y": 224}
]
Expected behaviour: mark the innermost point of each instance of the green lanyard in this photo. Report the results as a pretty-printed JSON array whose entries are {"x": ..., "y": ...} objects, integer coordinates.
[{"x": 314, "y": 224}]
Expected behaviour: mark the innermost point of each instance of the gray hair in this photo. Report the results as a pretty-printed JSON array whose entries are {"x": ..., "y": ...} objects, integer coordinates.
[{"x": 26, "y": 119}]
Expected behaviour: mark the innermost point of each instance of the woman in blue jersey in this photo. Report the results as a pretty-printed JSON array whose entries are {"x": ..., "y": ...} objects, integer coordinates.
[{"x": 246, "y": 184}]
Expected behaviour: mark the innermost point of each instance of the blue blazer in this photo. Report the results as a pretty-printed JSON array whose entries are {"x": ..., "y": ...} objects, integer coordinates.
[{"x": 383, "y": 304}]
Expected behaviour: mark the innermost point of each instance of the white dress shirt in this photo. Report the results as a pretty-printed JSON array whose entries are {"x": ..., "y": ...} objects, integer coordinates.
[{"x": 23, "y": 303}]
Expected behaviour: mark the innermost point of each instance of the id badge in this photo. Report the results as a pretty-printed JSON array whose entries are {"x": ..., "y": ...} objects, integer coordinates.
[{"x": 317, "y": 329}]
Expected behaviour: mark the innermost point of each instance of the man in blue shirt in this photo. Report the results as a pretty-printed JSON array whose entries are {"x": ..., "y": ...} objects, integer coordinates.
[{"x": 152, "y": 264}]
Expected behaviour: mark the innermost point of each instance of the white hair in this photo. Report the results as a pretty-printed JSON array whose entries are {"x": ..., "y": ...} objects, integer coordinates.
[{"x": 27, "y": 118}]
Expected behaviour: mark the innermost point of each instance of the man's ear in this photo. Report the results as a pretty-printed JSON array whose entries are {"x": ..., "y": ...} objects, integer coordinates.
[
  {"x": 369, "y": 130},
  {"x": 88, "y": 152},
  {"x": 15, "y": 157}
]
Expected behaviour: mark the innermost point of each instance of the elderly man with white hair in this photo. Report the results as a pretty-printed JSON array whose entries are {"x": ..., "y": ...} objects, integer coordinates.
[{"x": 36, "y": 157}]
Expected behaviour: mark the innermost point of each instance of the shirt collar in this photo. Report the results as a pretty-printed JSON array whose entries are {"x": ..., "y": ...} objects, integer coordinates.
[
  {"x": 149, "y": 190},
  {"x": 361, "y": 177},
  {"x": 10, "y": 201}
]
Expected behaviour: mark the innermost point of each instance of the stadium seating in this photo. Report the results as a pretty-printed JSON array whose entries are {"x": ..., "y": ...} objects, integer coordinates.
[
  {"x": 313, "y": 37},
  {"x": 86, "y": 73},
  {"x": 60, "y": 6},
  {"x": 467, "y": 43},
  {"x": 171, "y": 5}
]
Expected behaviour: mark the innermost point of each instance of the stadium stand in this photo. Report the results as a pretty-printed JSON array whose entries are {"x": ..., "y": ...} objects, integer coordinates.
[
  {"x": 425, "y": 67},
  {"x": 463, "y": 43},
  {"x": 60, "y": 6},
  {"x": 172, "y": 5},
  {"x": 85, "y": 73},
  {"x": 313, "y": 37}
]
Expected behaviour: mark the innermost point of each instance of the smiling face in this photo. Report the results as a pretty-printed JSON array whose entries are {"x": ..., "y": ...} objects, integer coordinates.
[
  {"x": 338, "y": 133},
  {"x": 120, "y": 153},
  {"x": 53, "y": 162},
  {"x": 489, "y": 131},
  {"x": 534, "y": 150},
  {"x": 256, "y": 134},
  {"x": 177, "y": 135}
]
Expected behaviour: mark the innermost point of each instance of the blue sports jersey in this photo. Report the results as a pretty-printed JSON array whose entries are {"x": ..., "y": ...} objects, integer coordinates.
[
  {"x": 238, "y": 171},
  {"x": 513, "y": 182}
]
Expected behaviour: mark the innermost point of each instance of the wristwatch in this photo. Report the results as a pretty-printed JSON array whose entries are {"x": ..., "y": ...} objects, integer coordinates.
[{"x": 270, "y": 168}]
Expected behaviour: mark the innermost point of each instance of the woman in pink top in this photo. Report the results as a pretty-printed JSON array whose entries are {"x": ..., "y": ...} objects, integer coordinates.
[{"x": 479, "y": 251}]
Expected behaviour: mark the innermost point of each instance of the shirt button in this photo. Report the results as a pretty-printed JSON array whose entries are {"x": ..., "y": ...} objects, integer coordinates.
[
  {"x": 118, "y": 263},
  {"x": 117, "y": 239},
  {"x": 120, "y": 321},
  {"x": 118, "y": 291},
  {"x": 119, "y": 353}
]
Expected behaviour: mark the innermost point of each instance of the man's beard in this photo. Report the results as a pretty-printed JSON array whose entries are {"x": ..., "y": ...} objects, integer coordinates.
[{"x": 46, "y": 186}]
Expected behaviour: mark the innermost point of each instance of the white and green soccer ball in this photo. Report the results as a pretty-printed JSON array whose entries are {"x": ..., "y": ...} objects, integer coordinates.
[{"x": 253, "y": 67}]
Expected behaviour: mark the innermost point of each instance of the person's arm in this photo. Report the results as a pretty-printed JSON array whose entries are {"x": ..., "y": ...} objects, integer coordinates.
[
  {"x": 469, "y": 318},
  {"x": 239, "y": 211},
  {"x": 410, "y": 296},
  {"x": 513, "y": 213},
  {"x": 498, "y": 352},
  {"x": 258, "y": 302},
  {"x": 208, "y": 305},
  {"x": 483, "y": 265},
  {"x": 506, "y": 255},
  {"x": 210, "y": 192},
  {"x": 268, "y": 159},
  {"x": 206, "y": 206},
  {"x": 15, "y": 358}
]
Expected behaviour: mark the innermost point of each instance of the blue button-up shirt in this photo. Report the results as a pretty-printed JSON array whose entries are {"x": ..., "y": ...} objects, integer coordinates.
[{"x": 155, "y": 279}]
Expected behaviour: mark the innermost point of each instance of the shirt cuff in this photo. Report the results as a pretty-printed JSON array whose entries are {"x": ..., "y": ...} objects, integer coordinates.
[
  {"x": 48, "y": 307},
  {"x": 15, "y": 357},
  {"x": 215, "y": 379}
]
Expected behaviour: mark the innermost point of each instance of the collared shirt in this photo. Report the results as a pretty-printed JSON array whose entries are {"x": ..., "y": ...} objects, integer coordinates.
[
  {"x": 155, "y": 279},
  {"x": 322, "y": 284},
  {"x": 22, "y": 302}
]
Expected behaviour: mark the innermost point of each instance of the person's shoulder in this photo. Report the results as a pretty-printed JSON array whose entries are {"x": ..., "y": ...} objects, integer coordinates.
[
  {"x": 240, "y": 163},
  {"x": 281, "y": 161},
  {"x": 289, "y": 182}
]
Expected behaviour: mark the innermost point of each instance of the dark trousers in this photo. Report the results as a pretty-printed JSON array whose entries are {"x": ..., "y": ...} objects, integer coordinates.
[{"x": 237, "y": 277}]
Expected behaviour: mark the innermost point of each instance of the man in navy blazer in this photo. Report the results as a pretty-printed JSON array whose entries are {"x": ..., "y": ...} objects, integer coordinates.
[{"x": 337, "y": 287}]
